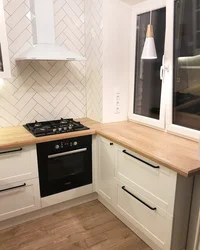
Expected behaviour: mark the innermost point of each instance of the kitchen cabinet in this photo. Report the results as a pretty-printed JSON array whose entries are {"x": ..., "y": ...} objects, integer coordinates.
[
  {"x": 4, "y": 54},
  {"x": 19, "y": 182},
  {"x": 18, "y": 164},
  {"x": 106, "y": 169},
  {"x": 145, "y": 215},
  {"x": 147, "y": 177},
  {"x": 19, "y": 198},
  {"x": 146, "y": 196}
]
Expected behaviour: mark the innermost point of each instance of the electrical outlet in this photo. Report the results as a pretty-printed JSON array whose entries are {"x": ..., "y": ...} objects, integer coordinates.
[
  {"x": 117, "y": 102},
  {"x": 117, "y": 111}
]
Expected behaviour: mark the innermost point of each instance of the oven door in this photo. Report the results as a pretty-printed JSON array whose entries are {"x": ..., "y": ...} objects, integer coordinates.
[
  {"x": 66, "y": 164},
  {"x": 66, "y": 170}
]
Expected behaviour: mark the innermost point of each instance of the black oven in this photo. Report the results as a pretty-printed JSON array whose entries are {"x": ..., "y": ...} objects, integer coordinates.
[{"x": 64, "y": 164}]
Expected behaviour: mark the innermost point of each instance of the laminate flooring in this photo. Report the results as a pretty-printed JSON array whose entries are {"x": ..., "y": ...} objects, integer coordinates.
[{"x": 88, "y": 226}]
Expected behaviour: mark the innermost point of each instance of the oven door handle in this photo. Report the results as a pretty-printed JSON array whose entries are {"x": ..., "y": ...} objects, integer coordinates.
[{"x": 67, "y": 153}]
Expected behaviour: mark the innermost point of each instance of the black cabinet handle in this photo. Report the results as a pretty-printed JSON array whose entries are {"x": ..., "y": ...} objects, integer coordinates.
[
  {"x": 111, "y": 144},
  {"x": 125, "y": 152},
  {"x": 152, "y": 208},
  {"x": 3, "y": 190},
  {"x": 11, "y": 151}
]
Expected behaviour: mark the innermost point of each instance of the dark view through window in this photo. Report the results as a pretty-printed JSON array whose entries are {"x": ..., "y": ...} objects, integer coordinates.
[
  {"x": 147, "y": 72},
  {"x": 186, "y": 90}
]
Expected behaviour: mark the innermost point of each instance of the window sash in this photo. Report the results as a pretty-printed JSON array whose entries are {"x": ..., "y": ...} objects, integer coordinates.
[
  {"x": 160, "y": 124},
  {"x": 170, "y": 127}
]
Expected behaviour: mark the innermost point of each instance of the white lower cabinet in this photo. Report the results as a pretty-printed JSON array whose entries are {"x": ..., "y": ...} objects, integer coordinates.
[
  {"x": 146, "y": 216},
  {"x": 151, "y": 199},
  {"x": 19, "y": 198},
  {"x": 19, "y": 182},
  {"x": 147, "y": 177},
  {"x": 106, "y": 171},
  {"x": 18, "y": 164}
]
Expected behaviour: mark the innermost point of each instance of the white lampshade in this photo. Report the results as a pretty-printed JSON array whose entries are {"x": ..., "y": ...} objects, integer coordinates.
[{"x": 149, "y": 50}]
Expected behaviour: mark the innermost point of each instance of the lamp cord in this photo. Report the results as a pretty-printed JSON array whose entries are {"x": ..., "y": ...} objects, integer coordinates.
[{"x": 150, "y": 16}]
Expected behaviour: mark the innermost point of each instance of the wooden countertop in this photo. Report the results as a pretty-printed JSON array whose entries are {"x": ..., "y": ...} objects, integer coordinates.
[
  {"x": 171, "y": 151},
  {"x": 19, "y": 136}
]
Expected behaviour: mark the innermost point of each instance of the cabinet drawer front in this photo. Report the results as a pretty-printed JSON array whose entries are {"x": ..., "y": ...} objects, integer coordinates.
[
  {"x": 145, "y": 176},
  {"x": 18, "y": 164},
  {"x": 19, "y": 198},
  {"x": 146, "y": 217}
]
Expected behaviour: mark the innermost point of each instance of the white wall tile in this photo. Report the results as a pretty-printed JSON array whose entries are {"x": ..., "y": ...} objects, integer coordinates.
[
  {"x": 94, "y": 50},
  {"x": 39, "y": 90}
]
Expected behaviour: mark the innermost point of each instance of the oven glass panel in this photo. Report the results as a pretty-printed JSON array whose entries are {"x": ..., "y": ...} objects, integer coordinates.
[{"x": 61, "y": 167}]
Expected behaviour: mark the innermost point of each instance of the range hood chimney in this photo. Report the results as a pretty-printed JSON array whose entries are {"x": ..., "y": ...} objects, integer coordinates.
[{"x": 44, "y": 46}]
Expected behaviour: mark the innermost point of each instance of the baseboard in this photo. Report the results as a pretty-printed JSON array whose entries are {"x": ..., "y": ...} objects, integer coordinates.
[
  {"x": 66, "y": 196},
  {"x": 46, "y": 211}
]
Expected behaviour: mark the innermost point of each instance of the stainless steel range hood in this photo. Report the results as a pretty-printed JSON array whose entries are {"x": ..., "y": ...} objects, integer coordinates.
[{"x": 44, "y": 46}]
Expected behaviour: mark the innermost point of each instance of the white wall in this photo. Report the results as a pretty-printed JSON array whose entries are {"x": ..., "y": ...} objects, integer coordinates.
[
  {"x": 116, "y": 58},
  {"x": 108, "y": 38},
  {"x": 43, "y": 90}
]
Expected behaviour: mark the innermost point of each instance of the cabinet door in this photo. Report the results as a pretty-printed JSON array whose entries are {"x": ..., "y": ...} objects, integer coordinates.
[
  {"x": 106, "y": 169},
  {"x": 19, "y": 198}
]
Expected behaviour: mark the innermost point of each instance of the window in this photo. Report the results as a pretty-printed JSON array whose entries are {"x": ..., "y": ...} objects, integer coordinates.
[
  {"x": 172, "y": 103},
  {"x": 186, "y": 76},
  {"x": 147, "y": 102},
  {"x": 147, "y": 92}
]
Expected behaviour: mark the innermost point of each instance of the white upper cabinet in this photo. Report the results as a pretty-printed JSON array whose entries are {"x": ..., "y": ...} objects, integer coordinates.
[
  {"x": 4, "y": 54},
  {"x": 147, "y": 95}
]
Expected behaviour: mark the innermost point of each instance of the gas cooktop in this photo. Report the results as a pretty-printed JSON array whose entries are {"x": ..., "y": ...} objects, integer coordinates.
[{"x": 54, "y": 127}]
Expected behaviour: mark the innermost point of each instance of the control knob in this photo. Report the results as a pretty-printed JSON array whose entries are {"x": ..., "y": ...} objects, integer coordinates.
[
  {"x": 57, "y": 146},
  {"x": 75, "y": 143}
]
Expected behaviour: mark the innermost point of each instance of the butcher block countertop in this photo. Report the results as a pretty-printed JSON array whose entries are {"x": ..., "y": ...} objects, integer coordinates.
[{"x": 176, "y": 153}]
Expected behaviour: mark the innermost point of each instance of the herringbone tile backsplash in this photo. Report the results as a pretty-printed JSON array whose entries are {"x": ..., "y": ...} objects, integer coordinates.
[
  {"x": 44, "y": 90},
  {"x": 94, "y": 54}
]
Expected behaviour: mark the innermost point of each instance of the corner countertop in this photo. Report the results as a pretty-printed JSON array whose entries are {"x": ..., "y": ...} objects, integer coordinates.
[{"x": 176, "y": 153}]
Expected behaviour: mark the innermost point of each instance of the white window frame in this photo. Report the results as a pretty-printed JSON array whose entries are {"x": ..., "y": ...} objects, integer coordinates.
[
  {"x": 172, "y": 128},
  {"x": 138, "y": 9}
]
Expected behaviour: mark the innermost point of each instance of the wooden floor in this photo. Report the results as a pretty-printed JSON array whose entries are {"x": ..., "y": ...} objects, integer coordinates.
[{"x": 88, "y": 226}]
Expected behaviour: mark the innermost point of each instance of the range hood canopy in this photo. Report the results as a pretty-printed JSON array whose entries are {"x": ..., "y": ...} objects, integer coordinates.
[{"x": 44, "y": 46}]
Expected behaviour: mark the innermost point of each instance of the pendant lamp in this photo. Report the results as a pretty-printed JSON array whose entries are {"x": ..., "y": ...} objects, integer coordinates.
[{"x": 149, "y": 50}]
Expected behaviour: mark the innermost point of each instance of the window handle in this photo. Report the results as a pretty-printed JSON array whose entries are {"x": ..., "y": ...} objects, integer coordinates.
[{"x": 162, "y": 68}]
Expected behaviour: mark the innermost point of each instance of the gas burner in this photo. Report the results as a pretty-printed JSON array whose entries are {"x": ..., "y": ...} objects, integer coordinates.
[
  {"x": 54, "y": 127},
  {"x": 37, "y": 124},
  {"x": 64, "y": 121}
]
